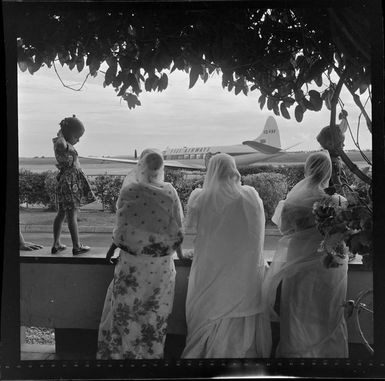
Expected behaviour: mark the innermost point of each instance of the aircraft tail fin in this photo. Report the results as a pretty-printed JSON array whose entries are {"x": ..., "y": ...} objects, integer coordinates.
[{"x": 270, "y": 134}]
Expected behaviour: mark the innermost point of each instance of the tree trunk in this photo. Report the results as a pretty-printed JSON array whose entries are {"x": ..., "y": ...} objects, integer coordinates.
[{"x": 338, "y": 153}]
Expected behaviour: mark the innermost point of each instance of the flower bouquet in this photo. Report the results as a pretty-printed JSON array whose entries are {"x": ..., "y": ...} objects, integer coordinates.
[{"x": 346, "y": 225}]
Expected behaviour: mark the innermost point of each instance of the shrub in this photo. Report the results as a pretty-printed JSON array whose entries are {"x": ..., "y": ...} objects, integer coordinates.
[
  {"x": 25, "y": 186},
  {"x": 106, "y": 189},
  {"x": 32, "y": 187},
  {"x": 50, "y": 183},
  {"x": 173, "y": 176},
  {"x": 272, "y": 187},
  {"x": 185, "y": 188},
  {"x": 293, "y": 173}
]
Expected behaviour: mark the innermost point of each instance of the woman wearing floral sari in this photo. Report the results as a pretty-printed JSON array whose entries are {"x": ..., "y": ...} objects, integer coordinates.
[
  {"x": 148, "y": 231},
  {"x": 311, "y": 312},
  {"x": 225, "y": 317}
]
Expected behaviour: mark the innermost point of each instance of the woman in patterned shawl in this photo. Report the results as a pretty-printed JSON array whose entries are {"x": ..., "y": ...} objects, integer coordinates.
[{"x": 148, "y": 231}]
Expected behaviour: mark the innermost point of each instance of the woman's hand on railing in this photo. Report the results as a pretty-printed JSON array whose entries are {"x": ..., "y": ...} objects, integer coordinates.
[
  {"x": 185, "y": 257},
  {"x": 110, "y": 254}
]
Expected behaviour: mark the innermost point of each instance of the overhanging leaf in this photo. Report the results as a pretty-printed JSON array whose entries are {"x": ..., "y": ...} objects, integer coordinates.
[
  {"x": 132, "y": 100},
  {"x": 80, "y": 63},
  {"x": 262, "y": 101},
  {"x": 284, "y": 111},
  {"x": 23, "y": 66},
  {"x": 110, "y": 74},
  {"x": 298, "y": 113},
  {"x": 315, "y": 99},
  {"x": 163, "y": 82},
  {"x": 363, "y": 87},
  {"x": 308, "y": 104},
  {"x": 275, "y": 107},
  {"x": 195, "y": 71}
]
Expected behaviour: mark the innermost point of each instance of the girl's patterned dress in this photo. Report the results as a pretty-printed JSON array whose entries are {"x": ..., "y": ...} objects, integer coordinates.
[
  {"x": 73, "y": 189},
  {"x": 140, "y": 297}
]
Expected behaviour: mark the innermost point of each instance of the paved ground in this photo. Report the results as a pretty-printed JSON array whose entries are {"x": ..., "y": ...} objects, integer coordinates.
[{"x": 103, "y": 240}]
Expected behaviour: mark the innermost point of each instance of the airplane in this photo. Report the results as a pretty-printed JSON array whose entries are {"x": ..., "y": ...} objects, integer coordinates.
[{"x": 265, "y": 147}]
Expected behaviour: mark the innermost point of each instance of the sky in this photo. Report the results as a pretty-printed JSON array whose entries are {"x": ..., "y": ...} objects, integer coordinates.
[{"x": 205, "y": 115}]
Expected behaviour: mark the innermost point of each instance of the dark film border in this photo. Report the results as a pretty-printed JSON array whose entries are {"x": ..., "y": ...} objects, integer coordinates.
[{"x": 12, "y": 368}]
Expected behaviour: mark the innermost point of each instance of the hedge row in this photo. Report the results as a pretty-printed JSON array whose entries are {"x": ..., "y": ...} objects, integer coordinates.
[{"x": 272, "y": 184}]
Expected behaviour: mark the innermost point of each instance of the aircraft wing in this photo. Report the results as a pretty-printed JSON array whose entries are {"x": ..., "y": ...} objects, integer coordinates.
[
  {"x": 260, "y": 147},
  {"x": 167, "y": 163}
]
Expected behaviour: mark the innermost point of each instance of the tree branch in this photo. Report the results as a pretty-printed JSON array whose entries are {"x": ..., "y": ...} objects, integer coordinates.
[
  {"x": 69, "y": 87},
  {"x": 354, "y": 169},
  {"x": 357, "y": 101},
  {"x": 339, "y": 149}
]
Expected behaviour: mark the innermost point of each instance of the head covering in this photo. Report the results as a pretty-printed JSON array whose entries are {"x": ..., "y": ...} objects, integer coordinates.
[
  {"x": 149, "y": 213},
  {"x": 318, "y": 170},
  {"x": 222, "y": 183},
  {"x": 149, "y": 169},
  {"x": 298, "y": 204}
]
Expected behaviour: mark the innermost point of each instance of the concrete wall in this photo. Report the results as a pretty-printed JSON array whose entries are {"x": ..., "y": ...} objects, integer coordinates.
[{"x": 70, "y": 295}]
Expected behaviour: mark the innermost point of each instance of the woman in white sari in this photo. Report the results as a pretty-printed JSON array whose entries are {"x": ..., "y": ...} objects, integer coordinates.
[
  {"x": 311, "y": 312},
  {"x": 224, "y": 306},
  {"x": 148, "y": 231}
]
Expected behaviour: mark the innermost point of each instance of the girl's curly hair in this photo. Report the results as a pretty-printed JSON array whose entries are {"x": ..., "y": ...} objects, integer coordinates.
[{"x": 71, "y": 126}]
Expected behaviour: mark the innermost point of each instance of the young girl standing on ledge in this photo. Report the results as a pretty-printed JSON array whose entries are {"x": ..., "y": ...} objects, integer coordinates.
[{"x": 73, "y": 189}]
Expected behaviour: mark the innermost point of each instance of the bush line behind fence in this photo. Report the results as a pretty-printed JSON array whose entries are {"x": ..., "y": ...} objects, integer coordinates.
[{"x": 272, "y": 184}]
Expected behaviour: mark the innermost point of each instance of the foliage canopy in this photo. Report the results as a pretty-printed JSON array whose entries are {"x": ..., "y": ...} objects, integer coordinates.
[{"x": 278, "y": 51}]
